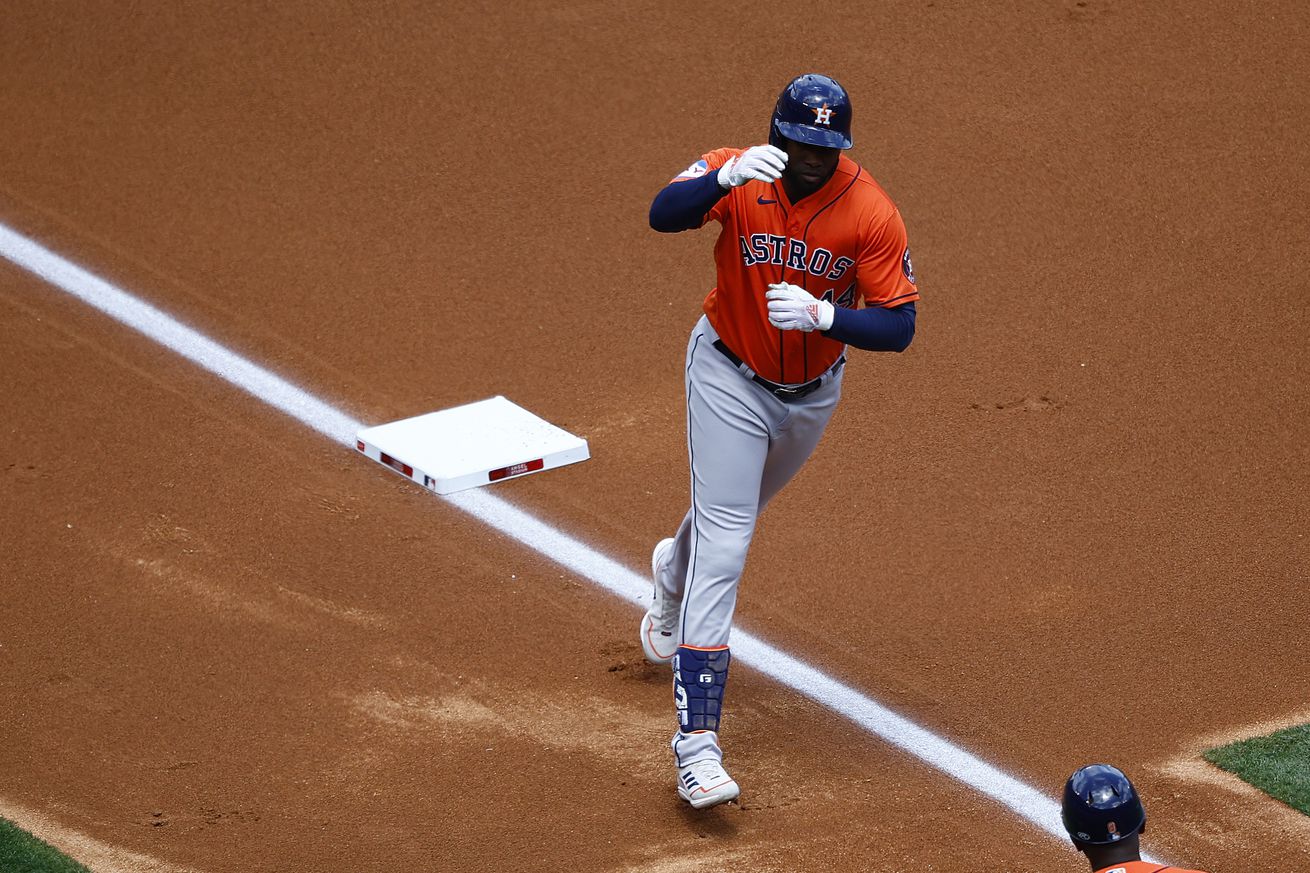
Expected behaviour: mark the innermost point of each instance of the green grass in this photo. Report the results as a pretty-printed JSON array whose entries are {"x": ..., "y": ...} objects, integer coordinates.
[
  {"x": 1279, "y": 764},
  {"x": 20, "y": 852}
]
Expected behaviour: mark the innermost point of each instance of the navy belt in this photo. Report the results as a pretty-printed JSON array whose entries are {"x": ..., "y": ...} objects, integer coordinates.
[{"x": 782, "y": 392}]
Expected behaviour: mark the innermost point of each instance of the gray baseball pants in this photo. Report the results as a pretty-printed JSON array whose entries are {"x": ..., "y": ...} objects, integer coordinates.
[{"x": 744, "y": 444}]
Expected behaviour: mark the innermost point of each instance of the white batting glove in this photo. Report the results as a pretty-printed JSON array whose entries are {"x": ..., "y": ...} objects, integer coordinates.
[
  {"x": 763, "y": 162},
  {"x": 793, "y": 308}
]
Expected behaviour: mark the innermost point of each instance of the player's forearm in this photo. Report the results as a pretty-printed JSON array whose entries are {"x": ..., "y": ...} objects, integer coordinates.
[
  {"x": 875, "y": 329},
  {"x": 682, "y": 205}
]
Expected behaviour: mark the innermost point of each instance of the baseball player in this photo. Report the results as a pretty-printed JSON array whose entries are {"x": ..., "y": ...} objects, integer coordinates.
[
  {"x": 1104, "y": 818},
  {"x": 811, "y": 257}
]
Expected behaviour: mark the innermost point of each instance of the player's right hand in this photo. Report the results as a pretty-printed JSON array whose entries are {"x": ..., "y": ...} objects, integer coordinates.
[{"x": 764, "y": 163}]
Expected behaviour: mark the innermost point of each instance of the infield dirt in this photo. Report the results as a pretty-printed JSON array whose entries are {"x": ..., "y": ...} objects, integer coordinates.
[{"x": 1068, "y": 524}]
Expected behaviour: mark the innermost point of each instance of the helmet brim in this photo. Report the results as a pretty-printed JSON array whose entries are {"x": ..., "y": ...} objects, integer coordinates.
[{"x": 816, "y": 136}]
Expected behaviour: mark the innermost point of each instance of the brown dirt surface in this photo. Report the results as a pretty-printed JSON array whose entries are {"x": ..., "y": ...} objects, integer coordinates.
[{"x": 1067, "y": 525}]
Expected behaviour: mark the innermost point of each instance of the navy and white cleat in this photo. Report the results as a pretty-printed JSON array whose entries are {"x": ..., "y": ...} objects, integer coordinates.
[{"x": 706, "y": 783}]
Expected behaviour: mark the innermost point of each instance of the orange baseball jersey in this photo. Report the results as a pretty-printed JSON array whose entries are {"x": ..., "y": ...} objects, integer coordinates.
[
  {"x": 844, "y": 243},
  {"x": 1143, "y": 867}
]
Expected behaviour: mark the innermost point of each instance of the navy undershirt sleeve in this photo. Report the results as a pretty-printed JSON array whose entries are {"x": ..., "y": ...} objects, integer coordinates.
[
  {"x": 874, "y": 329},
  {"x": 682, "y": 205}
]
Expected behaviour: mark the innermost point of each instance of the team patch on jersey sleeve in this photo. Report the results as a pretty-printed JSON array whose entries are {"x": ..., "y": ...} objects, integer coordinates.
[
  {"x": 696, "y": 170},
  {"x": 907, "y": 266}
]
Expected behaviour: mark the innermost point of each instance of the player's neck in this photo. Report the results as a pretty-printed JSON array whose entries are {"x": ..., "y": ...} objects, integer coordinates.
[{"x": 1102, "y": 860}]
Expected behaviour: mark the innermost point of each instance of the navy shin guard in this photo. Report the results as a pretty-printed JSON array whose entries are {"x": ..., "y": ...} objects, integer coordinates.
[{"x": 699, "y": 676}]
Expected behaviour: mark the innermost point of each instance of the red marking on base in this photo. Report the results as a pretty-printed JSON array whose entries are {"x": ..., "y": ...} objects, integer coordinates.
[
  {"x": 397, "y": 465},
  {"x": 516, "y": 470},
  {"x": 359, "y": 444}
]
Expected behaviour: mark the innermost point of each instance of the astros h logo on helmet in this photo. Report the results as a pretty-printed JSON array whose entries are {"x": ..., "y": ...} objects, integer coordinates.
[{"x": 822, "y": 115}]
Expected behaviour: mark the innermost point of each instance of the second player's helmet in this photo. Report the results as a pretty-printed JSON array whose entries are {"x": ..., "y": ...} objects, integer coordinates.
[
  {"x": 812, "y": 109},
  {"x": 1101, "y": 806}
]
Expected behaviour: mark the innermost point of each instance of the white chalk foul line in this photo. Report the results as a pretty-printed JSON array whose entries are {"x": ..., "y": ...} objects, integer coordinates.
[
  {"x": 537, "y": 535},
  {"x": 172, "y": 334}
]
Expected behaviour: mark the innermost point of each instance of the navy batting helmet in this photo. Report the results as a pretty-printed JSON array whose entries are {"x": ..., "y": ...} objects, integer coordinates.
[
  {"x": 1101, "y": 806},
  {"x": 812, "y": 109}
]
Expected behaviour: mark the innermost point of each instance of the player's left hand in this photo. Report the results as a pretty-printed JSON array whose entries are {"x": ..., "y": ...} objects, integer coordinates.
[
  {"x": 763, "y": 162},
  {"x": 793, "y": 308}
]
